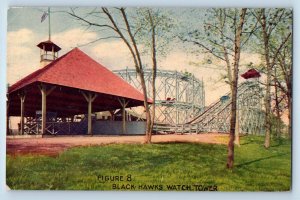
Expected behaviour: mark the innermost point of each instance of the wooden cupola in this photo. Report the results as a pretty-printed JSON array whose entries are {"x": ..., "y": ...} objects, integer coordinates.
[{"x": 48, "y": 52}]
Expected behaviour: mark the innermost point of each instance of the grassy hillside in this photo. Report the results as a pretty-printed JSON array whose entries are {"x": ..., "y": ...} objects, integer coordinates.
[{"x": 174, "y": 166}]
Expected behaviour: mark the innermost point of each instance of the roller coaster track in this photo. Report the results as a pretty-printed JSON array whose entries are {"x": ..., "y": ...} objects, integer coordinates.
[
  {"x": 180, "y": 106},
  {"x": 216, "y": 117}
]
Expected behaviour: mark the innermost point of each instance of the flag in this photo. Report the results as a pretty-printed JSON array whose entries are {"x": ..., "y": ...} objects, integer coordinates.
[{"x": 44, "y": 16}]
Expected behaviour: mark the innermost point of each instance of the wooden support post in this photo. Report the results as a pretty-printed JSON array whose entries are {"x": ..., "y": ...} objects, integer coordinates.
[
  {"x": 89, "y": 116},
  {"x": 123, "y": 103},
  {"x": 123, "y": 120},
  {"x": 44, "y": 109},
  {"x": 7, "y": 116},
  {"x": 45, "y": 93},
  {"x": 112, "y": 114},
  {"x": 89, "y": 97},
  {"x": 22, "y": 100}
]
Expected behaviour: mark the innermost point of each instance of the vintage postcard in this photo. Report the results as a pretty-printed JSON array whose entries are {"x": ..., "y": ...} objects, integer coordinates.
[{"x": 149, "y": 99}]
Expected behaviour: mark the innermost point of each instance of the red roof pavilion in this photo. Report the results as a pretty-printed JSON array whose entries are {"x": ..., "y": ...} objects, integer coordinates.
[{"x": 72, "y": 74}]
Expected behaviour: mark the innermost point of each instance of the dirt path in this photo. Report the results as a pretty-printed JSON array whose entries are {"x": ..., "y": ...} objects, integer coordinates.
[{"x": 54, "y": 145}]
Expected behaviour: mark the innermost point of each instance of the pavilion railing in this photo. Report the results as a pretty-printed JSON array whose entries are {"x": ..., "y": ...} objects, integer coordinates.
[{"x": 48, "y": 57}]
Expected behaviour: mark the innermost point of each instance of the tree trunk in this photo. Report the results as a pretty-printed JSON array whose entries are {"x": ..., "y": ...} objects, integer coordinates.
[
  {"x": 237, "y": 129},
  {"x": 268, "y": 87},
  {"x": 147, "y": 110},
  {"x": 290, "y": 113},
  {"x": 287, "y": 72},
  {"x": 154, "y": 69},
  {"x": 237, "y": 51},
  {"x": 139, "y": 68},
  {"x": 278, "y": 117},
  {"x": 229, "y": 74},
  {"x": 290, "y": 100}
]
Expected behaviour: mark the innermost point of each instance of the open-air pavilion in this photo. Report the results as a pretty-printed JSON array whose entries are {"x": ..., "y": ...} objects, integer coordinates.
[{"x": 73, "y": 84}]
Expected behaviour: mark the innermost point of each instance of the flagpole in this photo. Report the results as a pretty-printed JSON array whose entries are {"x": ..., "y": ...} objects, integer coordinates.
[{"x": 49, "y": 23}]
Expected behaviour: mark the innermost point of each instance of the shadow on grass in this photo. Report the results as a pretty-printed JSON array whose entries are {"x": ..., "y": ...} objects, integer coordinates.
[
  {"x": 276, "y": 145},
  {"x": 170, "y": 142},
  {"x": 260, "y": 159},
  {"x": 246, "y": 143},
  {"x": 279, "y": 142}
]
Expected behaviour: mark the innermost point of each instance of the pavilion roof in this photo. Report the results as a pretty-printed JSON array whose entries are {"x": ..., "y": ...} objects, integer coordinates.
[{"x": 76, "y": 71}]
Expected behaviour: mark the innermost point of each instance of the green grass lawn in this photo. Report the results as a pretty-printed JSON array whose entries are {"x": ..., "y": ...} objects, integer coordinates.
[{"x": 204, "y": 165}]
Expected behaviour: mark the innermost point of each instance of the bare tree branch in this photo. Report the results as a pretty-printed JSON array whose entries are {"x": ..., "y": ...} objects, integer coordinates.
[
  {"x": 279, "y": 48},
  {"x": 103, "y": 38},
  {"x": 274, "y": 24},
  {"x": 203, "y": 46},
  {"x": 220, "y": 31},
  {"x": 254, "y": 29},
  {"x": 88, "y": 22},
  {"x": 118, "y": 31},
  {"x": 132, "y": 38}
]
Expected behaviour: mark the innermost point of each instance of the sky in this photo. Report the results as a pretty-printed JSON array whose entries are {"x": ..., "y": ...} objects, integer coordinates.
[{"x": 25, "y": 31}]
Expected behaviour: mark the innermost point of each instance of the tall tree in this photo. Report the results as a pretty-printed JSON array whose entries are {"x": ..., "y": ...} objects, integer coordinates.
[
  {"x": 156, "y": 30},
  {"x": 274, "y": 38},
  {"x": 269, "y": 71},
  {"x": 225, "y": 32},
  {"x": 283, "y": 80},
  {"x": 133, "y": 29},
  {"x": 237, "y": 52},
  {"x": 154, "y": 67}
]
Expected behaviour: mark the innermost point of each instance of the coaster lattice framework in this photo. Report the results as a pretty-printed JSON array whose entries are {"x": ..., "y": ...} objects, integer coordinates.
[
  {"x": 179, "y": 96},
  {"x": 216, "y": 117},
  {"x": 180, "y": 104}
]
